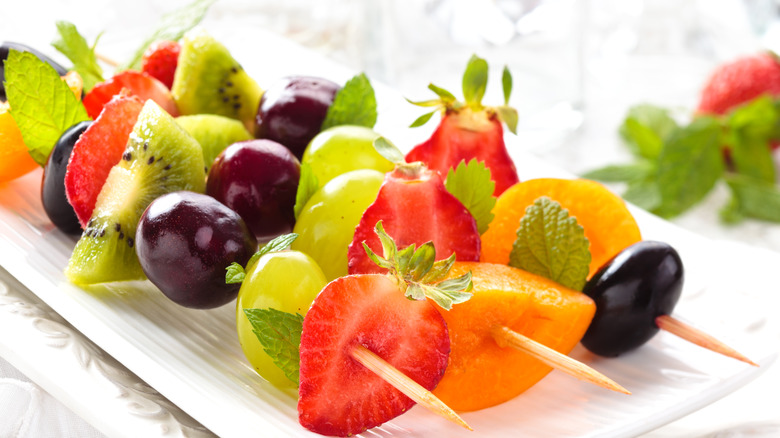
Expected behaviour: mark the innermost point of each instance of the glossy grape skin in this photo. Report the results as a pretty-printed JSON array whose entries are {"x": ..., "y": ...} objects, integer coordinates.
[
  {"x": 292, "y": 110},
  {"x": 641, "y": 283},
  {"x": 185, "y": 241},
  {"x": 258, "y": 180},
  {"x": 287, "y": 281},
  {"x": 55, "y": 202},
  {"x": 341, "y": 149},
  {"x": 326, "y": 225},
  {"x": 6, "y": 47}
]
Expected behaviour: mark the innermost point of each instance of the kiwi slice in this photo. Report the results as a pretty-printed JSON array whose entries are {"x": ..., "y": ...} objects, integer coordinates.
[
  {"x": 209, "y": 81},
  {"x": 214, "y": 133},
  {"x": 160, "y": 158}
]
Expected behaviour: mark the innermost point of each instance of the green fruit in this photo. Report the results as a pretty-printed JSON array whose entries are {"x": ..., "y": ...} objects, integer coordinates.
[
  {"x": 209, "y": 81},
  {"x": 160, "y": 158},
  {"x": 287, "y": 281},
  {"x": 341, "y": 149},
  {"x": 327, "y": 223},
  {"x": 214, "y": 133}
]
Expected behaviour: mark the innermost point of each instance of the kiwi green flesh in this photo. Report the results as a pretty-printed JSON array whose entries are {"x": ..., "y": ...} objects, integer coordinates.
[
  {"x": 214, "y": 133},
  {"x": 160, "y": 158},
  {"x": 209, "y": 81}
]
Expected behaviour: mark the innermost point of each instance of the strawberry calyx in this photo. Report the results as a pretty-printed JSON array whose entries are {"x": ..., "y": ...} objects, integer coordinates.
[
  {"x": 474, "y": 85},
  {"x": 418, "y": 275}
]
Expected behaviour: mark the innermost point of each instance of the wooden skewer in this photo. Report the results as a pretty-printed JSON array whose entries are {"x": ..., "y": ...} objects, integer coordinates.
[
  {"x": 107, "y": 60},
  {"x": 698, "y": 337},
  {"x": 506, "y": 337},
  {"x": 403, "y": 383}
]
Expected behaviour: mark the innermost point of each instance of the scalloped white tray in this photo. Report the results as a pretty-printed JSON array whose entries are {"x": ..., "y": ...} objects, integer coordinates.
[{"x": 193, "y": 357}]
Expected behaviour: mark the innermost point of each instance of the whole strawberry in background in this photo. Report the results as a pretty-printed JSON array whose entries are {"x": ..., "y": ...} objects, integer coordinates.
[
  {"x": 740, "y": 81},
  {"x": 160, "y": 61},
  {"x": 469, "y": 129}
]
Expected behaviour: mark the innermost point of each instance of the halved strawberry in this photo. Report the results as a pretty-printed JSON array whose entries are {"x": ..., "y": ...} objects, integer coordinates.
[
  {"x": 98, "y": 149},
  {"x": 415, "y": 208},
  {"x": 160, "y": 61},
  {"x": 138, "y": 84},
  {"x": 470, "y": 130},
  {"x": 339, "y": 396}
]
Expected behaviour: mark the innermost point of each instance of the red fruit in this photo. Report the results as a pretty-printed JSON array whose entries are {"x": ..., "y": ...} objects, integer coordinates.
[
  {"x": 339, "y": 396},
  {"x": 160, "y": 61},
  {"x": 465, "y": 135},
  {"x": 740, "y": 81},
  {"x": 98, "y": 149},
  {"x": 138, "y": 84},
  {"x": 415, "y": 208}
]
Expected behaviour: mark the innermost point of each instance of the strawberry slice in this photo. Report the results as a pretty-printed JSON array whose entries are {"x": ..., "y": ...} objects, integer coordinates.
[
  {"x": 415, "y": 208},
  {"x": 469, "y": 130},
  {"x": 138, "y": 84},
  {"x": 98, "y": 149},
  {"x": 339, "y": 396},
  {"x": 160, "y": 61}
]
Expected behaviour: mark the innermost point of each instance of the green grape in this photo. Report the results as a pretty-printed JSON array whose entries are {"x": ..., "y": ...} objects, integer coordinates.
[
  {"x": 341, "y": 149},
  {"x": 327, "y": 223},
  {"x": 287, "y": 281}
]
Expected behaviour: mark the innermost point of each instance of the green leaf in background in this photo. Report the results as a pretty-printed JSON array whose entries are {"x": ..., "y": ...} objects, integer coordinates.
[
  {"x": 645, "y": 129},
  {"x": 71, "y": 44},
  {"x": 423, "y": 119},
  {"x": 475, "y": 81},
  {"x": 354, "y": 104},
  {"x": 388, "y": 151},
  {"x": 508, "y": 115},
  {"x": 752, "y": 198},
  {"x": 172, "y": 26},
  {"x": 472, "y": 184},
  {"x": 307, "y": 186},
  {"x": 552, "y": 244},
  {"x": 280, "y": 335},
  {"x": 752, "y": 128},
  {"x": 640, "y": 170},
  {"x": 506, "y": 84},
  {"x": 644, "y": 194},
  {"x": 690, "y": 164},
  {"x": 42, "y": 105}
]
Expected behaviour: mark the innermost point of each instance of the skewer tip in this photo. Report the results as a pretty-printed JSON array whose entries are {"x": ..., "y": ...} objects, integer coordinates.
[{"x": 698, "y": 337}]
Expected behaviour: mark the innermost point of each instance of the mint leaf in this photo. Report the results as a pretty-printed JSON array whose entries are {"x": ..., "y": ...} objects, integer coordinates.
[
  {"x": 280, "y": 335},
  {"x": 552, "y": 244},
  {"x": 752, "y": 127},
  {"x": 645, "y": 129},
  {"x": 71, "y": 44},
  {"x": 644, "y": 194},
  {"x": 42, "y": 105},
  {"x": 475, "y": 81},
  {"x": 172, "y": 26},
  {"x": 307, "y": 187},
  {"x": 354, "y": 104},
  {"x": 622, "y": 172},
  {"x": 752, "y": 198},
  {"x": 689, "y": 165},
  {"x": 472, "y": 184},
  {"x": 236, "y": 273}
]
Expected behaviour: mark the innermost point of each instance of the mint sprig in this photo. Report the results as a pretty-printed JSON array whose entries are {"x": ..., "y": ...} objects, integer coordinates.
[
  {"x": 172, "y": 27},
  {"x": 236, "y": 273},
  {"x": 73, "y": 45},
  {"x": 552, "y": 244},
  {"x": 42, "y": 105},
  {"x": 354, "y": 104},
  {"x": 676, "y": 166},
  {"x": 472, "y": 184},
  {"x": 280, "y": 335}
]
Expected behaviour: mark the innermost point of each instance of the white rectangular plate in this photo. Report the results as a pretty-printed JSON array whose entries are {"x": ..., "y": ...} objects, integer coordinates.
[{"x": 194, "y": 359}]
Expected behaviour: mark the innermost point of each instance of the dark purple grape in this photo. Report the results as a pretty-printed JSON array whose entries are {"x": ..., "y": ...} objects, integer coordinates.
[
  {"x": 7, "y": 46},
  {"x": 641, "y": 283},
  {"x": 292, "y": 110},
  {"x": 53, "y": 197},
  {"x": 257, "y": 179},
  {"x": 185, "y": 241}
]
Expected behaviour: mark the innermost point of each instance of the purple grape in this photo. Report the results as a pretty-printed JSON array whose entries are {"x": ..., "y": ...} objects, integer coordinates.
[
  {"x": 55, "y": 202},
  {"x": 185, "y": 241},
  {"x": 257, "y": 179},
  {"x": 292, "y": 110}
]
